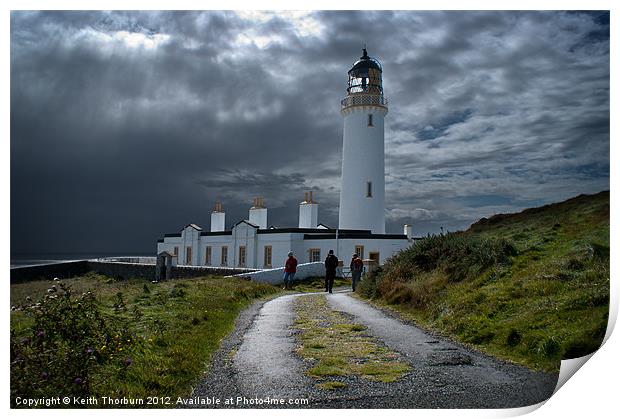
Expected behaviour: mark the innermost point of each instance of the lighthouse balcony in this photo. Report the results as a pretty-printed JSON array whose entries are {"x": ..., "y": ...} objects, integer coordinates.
[{"x": 363, "y": 100}]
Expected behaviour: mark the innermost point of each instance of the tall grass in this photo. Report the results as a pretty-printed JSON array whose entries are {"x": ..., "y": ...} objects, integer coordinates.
[{"x": 94, "y": 336}]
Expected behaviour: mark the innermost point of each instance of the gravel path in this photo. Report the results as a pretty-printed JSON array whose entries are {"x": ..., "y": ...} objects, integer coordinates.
[{"x": 257, "y": 362}]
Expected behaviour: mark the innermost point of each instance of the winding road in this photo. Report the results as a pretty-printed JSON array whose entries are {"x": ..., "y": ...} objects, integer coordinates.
[{"x": 257, "y": 365}]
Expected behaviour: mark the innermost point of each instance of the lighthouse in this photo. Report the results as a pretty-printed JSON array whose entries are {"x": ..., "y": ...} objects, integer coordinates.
[
  {"x": 252, "y": 244},
  {"x": 362, "y": 194}
]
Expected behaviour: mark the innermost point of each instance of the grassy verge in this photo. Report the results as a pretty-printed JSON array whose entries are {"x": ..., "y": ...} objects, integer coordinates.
[
  {"x": 93, "y": 336},
  {"x": 317, "y": 284},
  {"x": 337, "y": 347},
  {"x": 531, "y": 287}
]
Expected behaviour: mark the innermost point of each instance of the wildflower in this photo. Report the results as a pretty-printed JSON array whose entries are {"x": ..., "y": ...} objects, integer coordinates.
[
  {"x": 44, "y": 375},
  {"x": 78, "y": 381},
  {"x": 89, "y": 350},
  {"x": 127, "y": 361},
  {"x": 40, "y": 333},
  {"x": 25, "y": 341}
]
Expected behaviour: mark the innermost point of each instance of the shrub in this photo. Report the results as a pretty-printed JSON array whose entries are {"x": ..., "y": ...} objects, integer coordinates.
[
  {"x": 368, "y": 286},
  {"x": 178, "y": 292},
  {"x": 69, "y": 340},
  {"x": 514, "y": 338},
  {"x": 550, "y": 346},
  {"x": 459, "y": 255},
  {"x": 580, "y": 347}
]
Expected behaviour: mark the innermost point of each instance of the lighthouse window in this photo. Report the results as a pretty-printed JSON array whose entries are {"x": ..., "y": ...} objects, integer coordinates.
[
  {"x": 359, "y": 251},
  {"x": 224, "y": 260},
  {"x": 208, "y": 256},
  {"x": 370, "y": 120},
  {"x": 368, "y": 189},
  {"x": 267, "y": 257},
  {"x": 314, "y": 255},
  {"x": 241, "y": 255}
]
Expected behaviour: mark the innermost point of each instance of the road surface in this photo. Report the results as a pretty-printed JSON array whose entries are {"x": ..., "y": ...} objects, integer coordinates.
[{"x": 257, "y": 367}]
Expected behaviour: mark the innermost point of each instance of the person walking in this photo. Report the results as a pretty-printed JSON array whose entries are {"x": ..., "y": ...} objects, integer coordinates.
[
  {"x": 331, "y": 263},
  {"x": 290, "y": 267},
  {"x": 356, "y": 270}
]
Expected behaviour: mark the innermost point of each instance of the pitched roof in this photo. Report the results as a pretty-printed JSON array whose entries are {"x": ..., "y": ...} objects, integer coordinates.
[{"x": 247, "y": 222}]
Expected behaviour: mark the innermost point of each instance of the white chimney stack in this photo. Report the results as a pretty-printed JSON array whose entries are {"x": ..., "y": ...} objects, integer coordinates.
[
  {"x": 408, "y": 231},
  {"x": 308, "y": 212},
  {"x": 258, "y": 213},
  {"x": 218, "y": 218}
]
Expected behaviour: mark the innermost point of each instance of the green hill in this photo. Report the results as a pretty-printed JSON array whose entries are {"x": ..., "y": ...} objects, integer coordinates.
[{"x": 531, "y": 287}]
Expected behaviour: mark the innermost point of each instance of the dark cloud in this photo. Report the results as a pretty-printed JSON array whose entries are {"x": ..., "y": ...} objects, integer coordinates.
[{"x": 127, "y": 125}]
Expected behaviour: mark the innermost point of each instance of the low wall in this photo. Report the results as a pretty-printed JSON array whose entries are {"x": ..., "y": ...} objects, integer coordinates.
[
  {"x": 194, "y": 271},
  {"x": 119, "y": 270},
  {"x": 274, "y": 276}
]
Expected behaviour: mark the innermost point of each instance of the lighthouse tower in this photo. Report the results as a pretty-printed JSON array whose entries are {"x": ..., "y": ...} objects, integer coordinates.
[{"x": 362, "y": 194}]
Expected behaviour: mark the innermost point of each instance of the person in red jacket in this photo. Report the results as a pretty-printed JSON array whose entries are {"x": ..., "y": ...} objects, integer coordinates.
[
  {"x": 290, "y": 267},
  {"x": 357, "y": 267}
]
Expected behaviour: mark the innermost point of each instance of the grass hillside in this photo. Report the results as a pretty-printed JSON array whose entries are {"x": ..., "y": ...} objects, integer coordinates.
[{"x": 531, "y": 287}]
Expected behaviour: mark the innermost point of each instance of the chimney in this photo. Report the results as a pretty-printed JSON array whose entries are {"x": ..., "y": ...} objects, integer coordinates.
[
  {"x": 408, "y": 231},
  {"x": 218, "y": 218},
  {"x": 258, "y": 213},
  {"x": 308, "y": 212}
]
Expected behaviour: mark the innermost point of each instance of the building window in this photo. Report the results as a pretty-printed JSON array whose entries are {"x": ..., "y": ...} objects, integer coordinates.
[
  {"x": 368, "y": 189},
  {"x": 188, "y": 256},
  {"x": 241, "y": 255},
  {"x": 315, "y": 255},
  {"x": 370, "y": 120},
  {"x": 374, "y": 256},
  {"x": 267, "y": 261},
  {"x": 359, "y": 251},
  {"x": 208, "y": 256},
  {"x": 176, "y": 250},
  {"x": 224, "y": 261}
]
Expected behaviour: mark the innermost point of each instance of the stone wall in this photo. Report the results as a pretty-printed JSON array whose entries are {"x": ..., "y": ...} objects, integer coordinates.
[{"x": 118, "y": 270}]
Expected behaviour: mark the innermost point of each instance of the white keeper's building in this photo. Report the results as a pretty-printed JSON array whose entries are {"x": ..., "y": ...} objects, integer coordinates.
[{"x": 251, "y": 244}]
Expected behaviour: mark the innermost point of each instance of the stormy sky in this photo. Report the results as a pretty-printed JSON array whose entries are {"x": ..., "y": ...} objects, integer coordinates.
[{"x": 128, "y": 125}]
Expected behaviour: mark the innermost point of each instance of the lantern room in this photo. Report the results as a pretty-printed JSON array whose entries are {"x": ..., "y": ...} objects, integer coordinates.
[{"x": 365, "y": 76}]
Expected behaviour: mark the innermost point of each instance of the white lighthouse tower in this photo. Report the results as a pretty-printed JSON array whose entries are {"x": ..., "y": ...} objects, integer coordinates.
[{"x": 362, "y": 194}]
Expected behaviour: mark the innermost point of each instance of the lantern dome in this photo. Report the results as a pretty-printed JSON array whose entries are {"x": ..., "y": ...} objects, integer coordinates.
[{"x": 365, "y": 76}]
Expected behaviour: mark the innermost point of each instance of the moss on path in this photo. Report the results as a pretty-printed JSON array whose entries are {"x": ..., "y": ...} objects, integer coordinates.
[{"x": 335, "y": 347}]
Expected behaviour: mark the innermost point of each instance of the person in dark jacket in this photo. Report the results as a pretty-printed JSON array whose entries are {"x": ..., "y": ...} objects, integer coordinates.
[
  {"x": 356, "y": 270},
  {"x": 290, "y": 267},
  {"x": 331, "y": 263}
]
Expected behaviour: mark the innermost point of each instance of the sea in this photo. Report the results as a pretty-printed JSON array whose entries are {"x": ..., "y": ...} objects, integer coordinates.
[{"x": 33, "y": 259}]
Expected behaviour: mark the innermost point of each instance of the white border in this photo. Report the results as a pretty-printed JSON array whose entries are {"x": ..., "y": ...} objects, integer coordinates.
[{"x": 591, "y": 393}]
